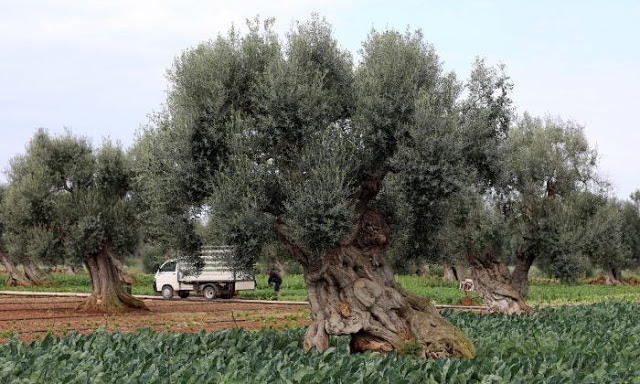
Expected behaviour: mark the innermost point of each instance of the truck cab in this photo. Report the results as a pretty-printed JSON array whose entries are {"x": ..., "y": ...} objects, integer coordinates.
[{"x": 166, "y": 281}]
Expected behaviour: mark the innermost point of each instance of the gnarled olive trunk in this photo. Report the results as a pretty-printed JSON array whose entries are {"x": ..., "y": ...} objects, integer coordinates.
[
  {"x": 461, "y": 271},
  {"x": 107, "y": 294},
  {"x": 34, "y": 274},
  {"x": 493, "y": 283},
  {"x": 15, "y": 277},
  {"x": 448, "y": 272},
  {"x": 520, "y": 275},
  {"x": 352, "y": 291},
  {"x": 614, "y": 276}
]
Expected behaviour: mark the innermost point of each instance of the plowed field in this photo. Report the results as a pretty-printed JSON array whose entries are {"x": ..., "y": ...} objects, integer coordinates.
[{"x": 32, "y": 317}]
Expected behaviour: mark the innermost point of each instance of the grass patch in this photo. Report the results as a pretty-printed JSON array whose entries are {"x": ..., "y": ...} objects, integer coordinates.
[{"x": 438, "y": 290}]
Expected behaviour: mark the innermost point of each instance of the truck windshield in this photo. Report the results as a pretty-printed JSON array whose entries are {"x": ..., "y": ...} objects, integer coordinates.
[{"x": 168, "y": 267}]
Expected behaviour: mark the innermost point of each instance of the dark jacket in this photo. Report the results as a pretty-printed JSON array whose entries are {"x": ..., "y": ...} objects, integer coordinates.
[{"x": 274, "y": 277}]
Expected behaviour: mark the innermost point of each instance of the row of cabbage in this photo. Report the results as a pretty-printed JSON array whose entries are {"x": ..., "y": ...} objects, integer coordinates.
[{"x": 597, "y": 343}]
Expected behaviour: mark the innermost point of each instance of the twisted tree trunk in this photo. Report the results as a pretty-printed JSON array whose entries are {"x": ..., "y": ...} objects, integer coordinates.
[
  {"x": 493, "y": 283},
  {"x": 107, "y": 294},
  {"x": 352, "y": 291},
  {"x": 14, "y": 276},
  {"x": 34, "y": 274},
  {"x": 449, "y": 273},
  {"x": 520, "y": 275}
]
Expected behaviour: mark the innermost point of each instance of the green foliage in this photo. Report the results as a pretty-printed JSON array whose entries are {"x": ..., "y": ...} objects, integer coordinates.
[
  {"x": 81, "y": 282},
  {"x": 578, "y": 344},
  {"x": 551, "y": 195},
  {"x": 452, "y": 154},
  {"x": 631, "y": 227},
  {"x": 67, "y": 201}
]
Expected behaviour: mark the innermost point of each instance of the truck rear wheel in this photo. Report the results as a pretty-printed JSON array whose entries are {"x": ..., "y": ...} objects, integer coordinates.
[
  {"x": 183, "y": 294},
  {"x": 210, "y": 292},
  {"x": 167, "y": 292}
]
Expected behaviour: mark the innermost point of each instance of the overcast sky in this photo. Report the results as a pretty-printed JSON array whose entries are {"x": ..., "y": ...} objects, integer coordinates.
[{"x": 98, "y": 67}]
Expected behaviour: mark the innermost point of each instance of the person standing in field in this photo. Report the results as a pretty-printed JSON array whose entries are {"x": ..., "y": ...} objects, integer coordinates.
[{"x": 276, "y": 279}]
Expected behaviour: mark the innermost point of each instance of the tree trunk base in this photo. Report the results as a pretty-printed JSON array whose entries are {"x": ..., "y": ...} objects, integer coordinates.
[
  {"x": 34, "y": 274},
  {"x": 449, "y": 273},
  {"x": 492, "y": 281},
  {"x": 613, "y": 277},
  {"x": 107, "y": 294},
  {"x": 356, "y": 295},
  {"x": 113, "y": 304},
  {"x": 15, "y": 278}
]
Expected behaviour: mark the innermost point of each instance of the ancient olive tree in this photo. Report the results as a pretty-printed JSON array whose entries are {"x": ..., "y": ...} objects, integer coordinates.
[
  {"x": 535, "y": 170},
  {"x": 547, "y": 162},
  {"x": 290, "y": 141},
  {"x": 68, "y": 203}
]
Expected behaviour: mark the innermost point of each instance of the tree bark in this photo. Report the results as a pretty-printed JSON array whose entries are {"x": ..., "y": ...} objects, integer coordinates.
[
  {"x": 520, "y": 275},
  {"x": 14, "y": 276},
  {"x": 449, "y": 273},
  {"x": 614, "y": 276},
  {"x": 275, "y": 260},
  {"x": 461, "y": 271},
  {"x": 34, "y": 274},
  {"x": 107, "y": 294},
  {"x": 352, "y": 291},
  {"x": 493, "y": 283},
  {"x": 124, "y": 276}
]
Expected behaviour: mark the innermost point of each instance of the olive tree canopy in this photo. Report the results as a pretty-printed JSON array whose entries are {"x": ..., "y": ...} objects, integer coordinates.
[
  {"x": 69, "y": 203},
  {"x": 290, "y": 141}
]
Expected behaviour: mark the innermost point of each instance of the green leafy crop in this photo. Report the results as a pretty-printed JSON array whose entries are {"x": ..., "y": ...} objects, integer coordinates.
[{"x": 571, "y": 344}]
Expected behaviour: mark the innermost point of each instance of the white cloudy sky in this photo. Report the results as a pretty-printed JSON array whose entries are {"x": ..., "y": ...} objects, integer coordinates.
[{"x": 97, "y": 67}]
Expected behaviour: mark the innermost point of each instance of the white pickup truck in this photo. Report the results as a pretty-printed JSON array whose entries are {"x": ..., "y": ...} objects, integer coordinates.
[{"x": 216, "y": 279}]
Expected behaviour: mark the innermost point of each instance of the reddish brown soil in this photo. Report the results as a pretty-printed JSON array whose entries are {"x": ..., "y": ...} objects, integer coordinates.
[
  {"x": 33, "y": 317},
  {"x": 602, "y": 280}
]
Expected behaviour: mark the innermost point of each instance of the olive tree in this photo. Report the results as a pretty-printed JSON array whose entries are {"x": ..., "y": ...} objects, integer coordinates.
[
  {"x": 290, "y": 141},
  {"x": 68, "y": 202},
  {"x": 546, "y": 162}
]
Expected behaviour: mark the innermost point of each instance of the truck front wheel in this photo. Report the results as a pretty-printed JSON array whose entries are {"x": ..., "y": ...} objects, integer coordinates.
[
  {"x": 210, "y": 292},
  {"x": 167, "y": 292}
]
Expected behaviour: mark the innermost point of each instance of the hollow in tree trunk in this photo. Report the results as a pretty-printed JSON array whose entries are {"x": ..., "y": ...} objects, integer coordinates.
[
  {"x": 352, "y": 291},
  {"x": 34, "y": 274},
  {"x": 15, "y": 277},
  {"x": 461, "y": 271},
  {"x": 614, "y": 276},
  {"x": 107, "y": 294},
  {"x": 449, "y": 273},
  {"x": 493, "y": 283}
]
